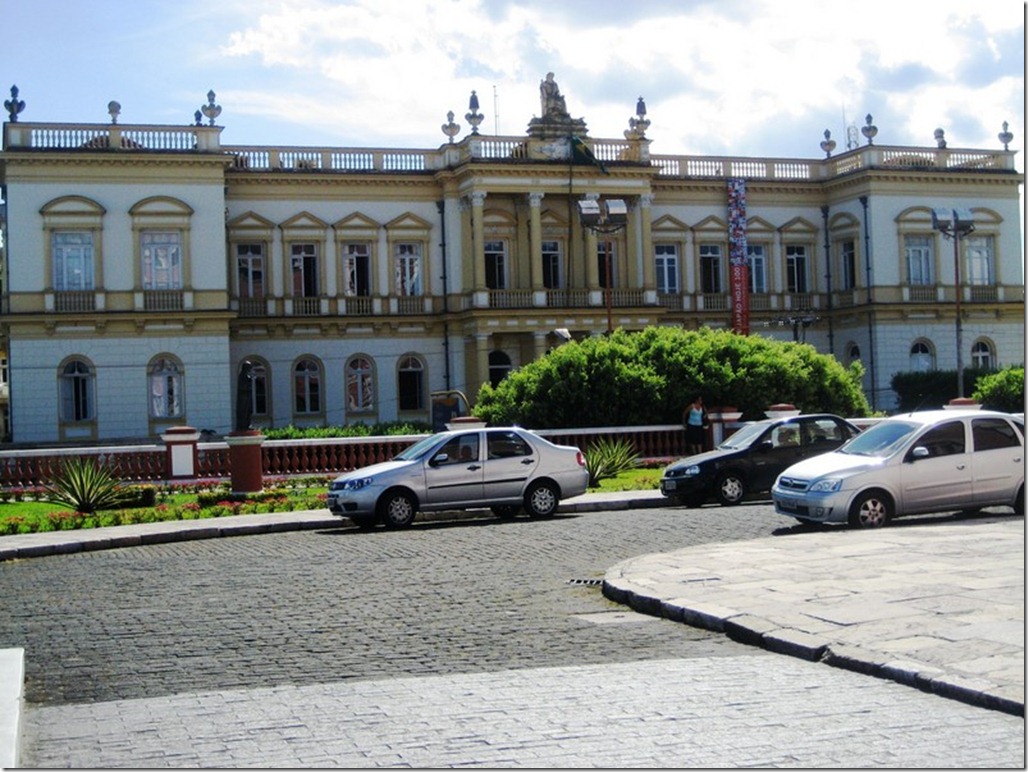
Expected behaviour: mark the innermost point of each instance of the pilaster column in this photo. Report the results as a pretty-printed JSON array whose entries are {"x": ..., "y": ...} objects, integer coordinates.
[
  {"x": 535, "y": 238},
  {"x": 592, "y": 272},
  {"x": 478, "y": 240},
  {"x": 649, "y": 271},
  {"x": 481, "y": 360}
]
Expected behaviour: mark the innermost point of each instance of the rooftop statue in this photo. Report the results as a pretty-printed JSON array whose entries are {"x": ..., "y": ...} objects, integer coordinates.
[{"x": 552, "y": 102}]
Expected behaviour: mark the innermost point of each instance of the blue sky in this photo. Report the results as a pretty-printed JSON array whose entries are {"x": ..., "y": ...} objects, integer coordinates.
[{"x": 722, "y": 77}]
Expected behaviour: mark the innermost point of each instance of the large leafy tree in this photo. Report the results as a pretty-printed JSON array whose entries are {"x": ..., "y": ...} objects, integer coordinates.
[{"x": 647, "y": 377}]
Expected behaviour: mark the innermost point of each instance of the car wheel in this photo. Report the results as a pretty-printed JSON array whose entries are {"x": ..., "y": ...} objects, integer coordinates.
[
  {"x": 872, "y": 509},
  {"x": 1019, "y": 502},
  {"x": 542, "y": 499},
  {"x": 730, "y": 488},
  {"x": 507, "y": 511},
  {"x": 396, "y": 509},
  {"x": 364, "y": 522}
]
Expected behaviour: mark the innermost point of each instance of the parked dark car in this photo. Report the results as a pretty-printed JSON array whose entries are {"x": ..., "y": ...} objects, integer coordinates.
[{"x": 749, "y": 460}]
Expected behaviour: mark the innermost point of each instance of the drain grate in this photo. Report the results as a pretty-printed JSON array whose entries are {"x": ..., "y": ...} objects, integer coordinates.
[{"x": 586, "y": 582}]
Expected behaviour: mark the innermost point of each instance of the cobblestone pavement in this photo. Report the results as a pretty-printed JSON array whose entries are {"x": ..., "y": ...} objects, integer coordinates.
[{"x": 472, "y": 643}]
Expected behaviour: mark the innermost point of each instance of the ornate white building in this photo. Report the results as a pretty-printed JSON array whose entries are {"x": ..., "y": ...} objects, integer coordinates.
[{"x": 146, "y": 263}]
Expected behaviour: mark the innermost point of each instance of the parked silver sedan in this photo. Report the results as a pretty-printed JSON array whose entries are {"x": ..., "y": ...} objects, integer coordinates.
[
  {"x": 931, "y": 461},
  {"x": 508, "y": 469}
]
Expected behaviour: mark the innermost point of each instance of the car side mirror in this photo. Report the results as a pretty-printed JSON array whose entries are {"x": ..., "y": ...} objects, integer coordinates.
[
  {"x": 767, "y": 445},
  {"x": 440, "y": 458},
  {"x": 919, "y": 452}
]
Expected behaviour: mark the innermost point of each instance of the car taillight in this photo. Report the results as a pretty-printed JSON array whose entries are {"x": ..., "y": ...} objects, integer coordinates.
[{"x": 581, "y": 459}]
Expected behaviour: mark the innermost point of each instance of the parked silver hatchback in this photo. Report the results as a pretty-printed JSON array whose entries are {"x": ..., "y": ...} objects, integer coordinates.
[
  {"x": 508, "y": 469},
  {"x": 930, "y": 461}
]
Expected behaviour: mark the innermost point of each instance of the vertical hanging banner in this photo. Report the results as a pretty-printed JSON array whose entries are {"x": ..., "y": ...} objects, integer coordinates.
[{"x": 737, "y": 261}]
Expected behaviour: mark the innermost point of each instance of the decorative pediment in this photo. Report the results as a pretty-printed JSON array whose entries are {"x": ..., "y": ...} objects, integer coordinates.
[
  {"x": 666, "y": 225},
  {"x": 72, "y": 205},
  {"x": 711, "y": 224},
  {"x": 799, "y": 226},
  {"x": 357, "y": 221},
  {"x": 303, "y": 221},
  {"x": 157, "y": 206},
  {"x": 250, "y": 221},
  {"x": 408, "y": 222},
  {"x": 551, "y": 218},
  {"x": 844, "y": 221},
  {"x": 759, "y": 225}
]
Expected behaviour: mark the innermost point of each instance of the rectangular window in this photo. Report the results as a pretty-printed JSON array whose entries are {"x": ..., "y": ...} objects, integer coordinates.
[
  {"x": 756, "y": 256},
  {"x": 407, "y": 267},
  {"x": 72, "y": 261},
  {"x": 978, "y": 254},
  {"x": 606, "y": 254},
  {"x": 357, "y": 269},
  {"x": 796, "y": 268},
  {"x": 710, "y": 268},
  {"x": 304, "y": 270},
  {"x": 496, "y": 265},
  {"x": 666, "y": 257},
  {"x": 848, "y": 264},
  {"x": 553, "y": 260},
  {"x": 250, "y": 270},
  {"x": 162, "y": 260},
  {"x": 920, "y": 260}
]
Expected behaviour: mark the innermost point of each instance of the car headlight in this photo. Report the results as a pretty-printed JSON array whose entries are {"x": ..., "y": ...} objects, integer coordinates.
[
  {"x": 827, "y": 485},
  {"x": 691, "y": 471},
  {"x": 354, "y": 485}
]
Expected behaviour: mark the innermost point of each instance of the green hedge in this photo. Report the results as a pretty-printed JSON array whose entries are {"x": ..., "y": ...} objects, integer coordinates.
[{"x": 647, "y": 377}]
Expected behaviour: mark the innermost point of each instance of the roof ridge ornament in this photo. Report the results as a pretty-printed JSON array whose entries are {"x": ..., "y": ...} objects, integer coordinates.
[
  {"x": 13, "y": 106},
  {"x": 210, "y": 109}
]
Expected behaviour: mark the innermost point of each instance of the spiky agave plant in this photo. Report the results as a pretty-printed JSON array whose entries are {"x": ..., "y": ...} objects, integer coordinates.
[
  {"x": 85, "y": 485},
  {"x": 608, "y": 458}
]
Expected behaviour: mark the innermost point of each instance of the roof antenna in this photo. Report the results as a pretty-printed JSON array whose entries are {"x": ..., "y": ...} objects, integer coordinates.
[{"x": 496, "y": 114}]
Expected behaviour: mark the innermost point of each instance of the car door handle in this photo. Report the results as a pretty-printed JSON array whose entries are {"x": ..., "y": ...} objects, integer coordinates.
[
  {"x": 527, "y": 461},
  {"x": 473, "y": 467},
  {"x": 961, "y": 466}
]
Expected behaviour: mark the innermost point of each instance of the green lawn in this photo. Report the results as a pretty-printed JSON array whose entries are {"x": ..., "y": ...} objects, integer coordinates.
[{"x": 200, "y": 501}]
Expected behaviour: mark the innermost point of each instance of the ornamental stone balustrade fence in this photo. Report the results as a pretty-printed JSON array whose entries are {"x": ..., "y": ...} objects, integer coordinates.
[{"x": 152, "y": 463}]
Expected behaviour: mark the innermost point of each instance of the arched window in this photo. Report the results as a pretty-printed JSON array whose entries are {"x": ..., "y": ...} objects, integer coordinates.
[
  {"x": 165, "y": 388},
  {"x": 983, "y": 357},
  {"x": 360, "y": 385},
  {"x": 410, "y": 376},
  {"x": 306, "y": 387},
  {"x": 499, "y": 366},
  {"x": 922, "y": 360},
  {"x": 77, "y": 388},
  {"x": 853, "y": 353}
]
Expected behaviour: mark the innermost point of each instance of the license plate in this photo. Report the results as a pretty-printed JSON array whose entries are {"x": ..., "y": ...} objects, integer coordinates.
[
  {"x": 788, "y": 504},
  {"x": 670, "y": 485}
]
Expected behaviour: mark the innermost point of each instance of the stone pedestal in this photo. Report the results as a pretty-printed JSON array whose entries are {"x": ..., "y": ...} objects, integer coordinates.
[
  {"x": 180, "y": 452},
  {"x": 244, "y": 451},
  {"x": 722, "y": 420}
]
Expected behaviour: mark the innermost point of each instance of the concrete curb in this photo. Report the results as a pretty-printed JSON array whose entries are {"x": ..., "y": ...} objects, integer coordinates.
[
  {"x": 35, "y": 545},
  {"x": 12, "y": 679},
  {"x": 763, "y": 633}
]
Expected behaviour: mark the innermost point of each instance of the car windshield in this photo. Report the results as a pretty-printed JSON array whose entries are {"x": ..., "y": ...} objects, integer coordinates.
[
  {"x": 744, "y": 436},
  {"x": 418, "y": 449},
  {"x": 881, "y": 439}
]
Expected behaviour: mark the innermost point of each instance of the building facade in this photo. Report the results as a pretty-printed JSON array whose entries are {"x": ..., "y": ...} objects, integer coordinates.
[{"x": 146, "y": 264}]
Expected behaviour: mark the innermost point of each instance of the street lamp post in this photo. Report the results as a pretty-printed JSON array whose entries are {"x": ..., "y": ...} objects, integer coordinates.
[
  {"x": 608, "y": 216},
  {"x": 954, "y": 224}
]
